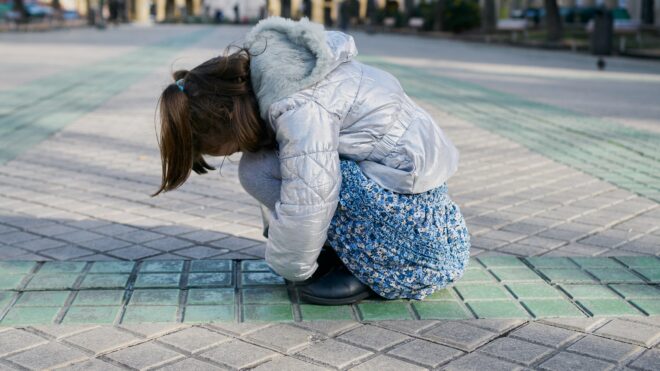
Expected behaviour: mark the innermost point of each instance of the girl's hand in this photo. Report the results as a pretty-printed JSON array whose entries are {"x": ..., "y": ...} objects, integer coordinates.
[{"x": 200, "y": 166}]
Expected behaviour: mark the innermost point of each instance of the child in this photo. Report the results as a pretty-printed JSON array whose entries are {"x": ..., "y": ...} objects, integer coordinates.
[{"x": 336, "y": 152}]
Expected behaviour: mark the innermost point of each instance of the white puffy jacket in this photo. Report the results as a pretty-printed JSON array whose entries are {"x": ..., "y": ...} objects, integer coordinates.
[{"x": 324, "y": 105}]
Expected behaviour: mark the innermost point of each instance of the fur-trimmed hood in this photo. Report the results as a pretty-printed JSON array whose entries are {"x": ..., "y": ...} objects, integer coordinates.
[{"x": 288, "y": 56}]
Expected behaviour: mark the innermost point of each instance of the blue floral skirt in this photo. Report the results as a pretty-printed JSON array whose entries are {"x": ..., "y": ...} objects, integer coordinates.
[{"x": 400, "y": 245}]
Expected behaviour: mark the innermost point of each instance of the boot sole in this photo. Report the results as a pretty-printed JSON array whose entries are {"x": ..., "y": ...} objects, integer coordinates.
[{"x": 341, "y": 301}]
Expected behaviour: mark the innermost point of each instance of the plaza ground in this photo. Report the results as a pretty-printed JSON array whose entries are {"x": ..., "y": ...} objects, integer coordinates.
[{"x": 558, "y": 181}]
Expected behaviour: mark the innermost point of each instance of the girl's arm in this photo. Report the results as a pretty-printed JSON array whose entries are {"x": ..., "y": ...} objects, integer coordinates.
[{"x": 308, "y": 137}]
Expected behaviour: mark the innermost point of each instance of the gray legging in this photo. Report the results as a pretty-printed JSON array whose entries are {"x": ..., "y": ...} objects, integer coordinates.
[{"x": 259, "y": 173}]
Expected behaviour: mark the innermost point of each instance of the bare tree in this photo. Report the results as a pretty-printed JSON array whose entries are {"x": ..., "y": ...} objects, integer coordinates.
[{"x": 553, "y": 20}]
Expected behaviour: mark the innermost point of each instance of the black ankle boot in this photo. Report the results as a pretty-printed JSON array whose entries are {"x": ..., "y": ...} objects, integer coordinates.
[
  {"x": 337, "y": 287},
  {"x": 327, "y": 261}
]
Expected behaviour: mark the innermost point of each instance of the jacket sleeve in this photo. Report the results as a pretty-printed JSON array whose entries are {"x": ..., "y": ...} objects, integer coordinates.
[{"x": 308, "y": 137}]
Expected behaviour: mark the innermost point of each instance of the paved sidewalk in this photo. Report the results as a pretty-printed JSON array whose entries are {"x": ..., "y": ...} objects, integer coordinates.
[{"x": 538, "y": 134}]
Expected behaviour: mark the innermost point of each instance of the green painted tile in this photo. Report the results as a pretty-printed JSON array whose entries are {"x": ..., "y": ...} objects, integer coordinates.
[
  {"x": 62, "y": 267},
  {"x": 10, "y": 281},
  {"x": 158, "y": 280},
  {"x": 209, "y": 279},
  {"x": 639, "y": 261},
  {"x": 52, "y": 281},
  {"x": 441, "y": 310},
  {"x": 543, "y": 308},
  {"x": 209, "y": 313},
  {"x": 5, "y": 299},
  {"x": 476, "y": 275},
  {"x": 651, "y": 274},
  {"x": 383, "y": 311},
  {"x": 155, "y": 297},
  {"x": 608, "y": 307},
  {"x": 267, "y": 313},
  {"x": 516, "y": 274},
  {"x": 89, "y": 315},
  {"x": 326, "y": 312},
  {"x": 567, "y": 275},
  {"x": 551, "y": 262},
  {"x": 150, "y": 314},
  {"x": 104, "y": 281},
  {"x": 16, "y": 266},
  {"x": 650, "y": 306},
  {"x": 443, "y": 294},
  {"x": 497, "y": 309},
  {"x": 112, "y": 267},
  {"x": 637, "y": 291},
  {"x": 533, "y": 291},
  {"x": 265, "y": 295},
  {"x": 255, "y": 266},
  {"x": 211, "y": 296},
  {"x": 481, "y": 292},
  {"x": 501, "y": 261},
  {"x": 591, "y": 262},
  {"x": 42, "y": 299},
  {"x": 30, "y": 315},
  {"x": 211, "y": 266},
  {"x": 261, "y": 278},
  {"x": 162, "y": 266},
  {"x": 98, "y": 297},
  {"x": 589, "y": 292},
  {"x": 607, "y": 275}
]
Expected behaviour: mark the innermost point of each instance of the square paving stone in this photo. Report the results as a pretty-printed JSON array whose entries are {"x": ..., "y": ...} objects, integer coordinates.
[
  {"x": 649, "y": 361},
  {"x": 209, "y": 279},
  {"x": 209, "y": 313},
  {"x": 571, "y": 361},
  {"x": 589, "y": 292},
  {"x": 211, "y": 266},
  {"x": 10, "y": 281},
  {"x": 544, "y": 308},
  {"x": 162, "y": 266},
  {"x": 516, "y": 274},
  {"x": 55, "y": 281},
  {"x": 650, "y": 306},
  {"x": 287, "y": 363},
  {"x": 150, "y": 314},
  {"x": 592, "y": 262},
  {"x": 516, "y": 350},
  {"x": 480, "y": 361},
  {"x": 567, "y": 275},
  {"x": 631, "y": 332},
  {"x": 211, "y": 296},
  {"x": 266, "y": 295},
  {"x": 425, "y": 352},
  {"x": 238, "y": 354},
  {"x": 30, "y": 315},
  {"x": 14, "y": 340},
  {"x": 459, "y": 335},
  {"x": 323, "y": 312},
  {"x": 608, "y": 307},
  {"x": 144, "y": 356},
  {"x": 383, "y": 363},
  {"x": 255, "y": 266},
  {"x": 155, "y": 297},
  {"x": 335, "y": 354},
  {"x": 476, "y": 275},
  {"x": 551, "y": 262},
  {"x": 42, "y": 299},
  {"x": 284, "y": 338},
  {"x": 104, "y": 281},
  {"x": 614, "y": 275},
  {"x": 443, "y": 294},
  {"x": 112, "y": 267},
  {"x": 481, "y": 291},
  {"x": 547, "y": 335},
  {"x": 497, "y": 309},
  {"x": 651, "y": 274},
  {"x": 639, "y": 261},
  {"x": 102, "y": 339},
  {"x": 267, "y": 313},
  {"x": 596, "y": 346},
  {"x": 99, "y": 297},
  {"x": 261, "y": 278},
  {"x": 5, "y": 298},
  {"x": 16, "y": 267},
  {"x": 637, "y": 291},
  {"x": 193, "y": 339},
  {"x": 62, "y": 267},
  {"x": 441, "y": 310},
  {"x": 96, "y": 315},
  {"x": 501, "y": 261},
  {"x": 48, "y": 356},
  {"x": 158, "y": 280},
  {"x": 383, "y": 311},
  {"x": 533, "y": 291}
]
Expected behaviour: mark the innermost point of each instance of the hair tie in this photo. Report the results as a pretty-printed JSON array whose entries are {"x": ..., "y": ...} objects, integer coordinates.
[{"x": 179, "y": 83}]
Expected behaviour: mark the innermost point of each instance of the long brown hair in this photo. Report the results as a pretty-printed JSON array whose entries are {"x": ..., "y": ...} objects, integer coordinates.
[{"x": 211, "y": 104}]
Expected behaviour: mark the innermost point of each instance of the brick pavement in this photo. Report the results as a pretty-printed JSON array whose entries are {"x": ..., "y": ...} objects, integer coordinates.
[{"x": 82, "y": 195}]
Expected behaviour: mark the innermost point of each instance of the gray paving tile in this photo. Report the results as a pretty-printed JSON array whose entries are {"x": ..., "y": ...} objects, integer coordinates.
[
  {"x": 599, "y": 347},
  {"x": 546, "y": 335},
  {"x": 193, "y": 339},
  {"x": 576, "y": 324},
  {"x": 192, "y": 365},
  {"x": 372, "y": 337},
  {"x": 647, "y": 361},
  {"x": 329, "y": 328},
  {"x": 516, "y": 350},
  {"x": 91, "y": 365},
  {"x": 335, "y": 354},
  {"x": 14, "y": 340},
  {"x": 571, "y": 361},
  {"x": 144, "y": 355},
  {"x": 631, "y": 332},
  {"x": 103, "y": 339},
  {"x": 284, "y": 338},
  {"x": 425, "y": 352},
  {"x": 386, "y": 363},
  {"x": 288, "y": 363},
  {"x": 479, "y": 362},
  {"x": 47, "y": 356},
  {"x": 238, "y": 354},
  {"x": 459, "y": 335}
]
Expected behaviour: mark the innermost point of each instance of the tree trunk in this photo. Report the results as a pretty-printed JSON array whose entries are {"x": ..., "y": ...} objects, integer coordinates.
[
  {"x": 490, "y": 17},
  {"x": 553, "y": 20},
  {"x": 439, "y": 13}
]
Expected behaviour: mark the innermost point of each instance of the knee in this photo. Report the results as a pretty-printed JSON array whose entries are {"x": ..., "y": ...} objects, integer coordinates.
[{"x": 257, "y": 168}]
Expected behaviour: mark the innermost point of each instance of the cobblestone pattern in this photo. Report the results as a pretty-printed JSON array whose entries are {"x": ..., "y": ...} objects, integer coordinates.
[{"x": 588, "y": 344}]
